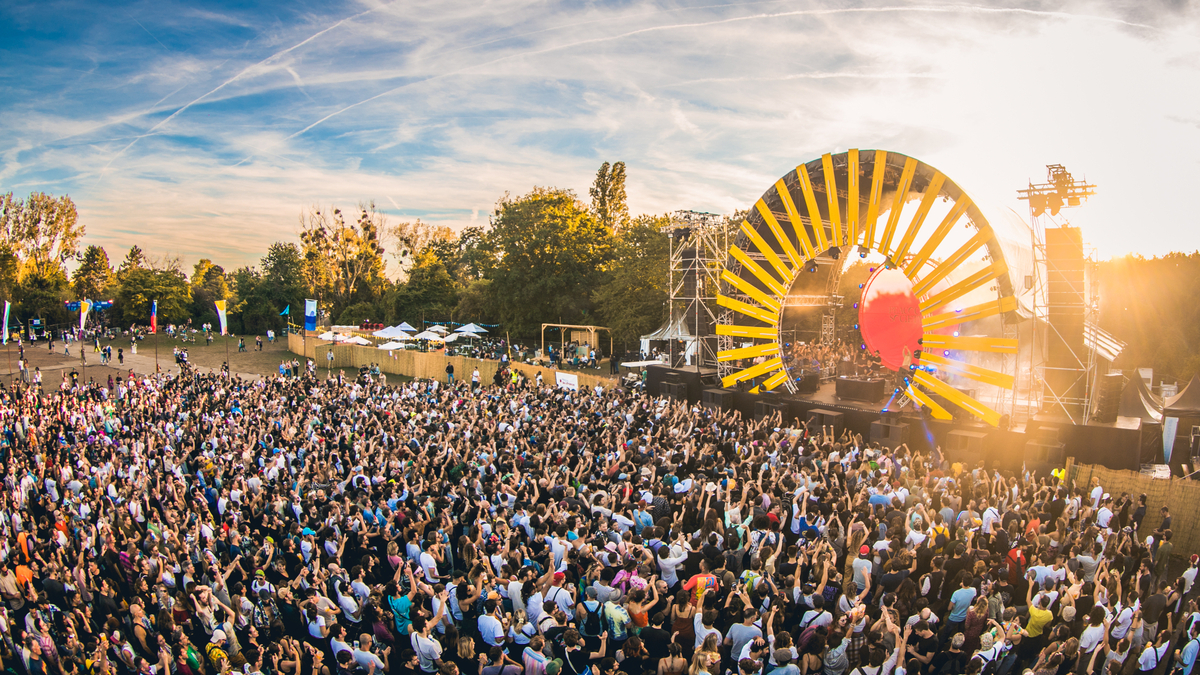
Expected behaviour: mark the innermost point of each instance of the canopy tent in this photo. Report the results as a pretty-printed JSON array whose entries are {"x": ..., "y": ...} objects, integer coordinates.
[
  {"x": 331, "y": 336},
  {"x": 406, "y": 326},
  {"x": 356, "y": 340},
  {"x": 429, "y": 335},
  {"x": 1138, "y": 401},
  {"x": 392, "y": 345},
  {"x": 452, "y": 337},
  {"x": 472, "y": 328},
  {"x": 389, "y": 332},
  {"x": 672, "y": 330},
  {"x": 438, "y": 329},
  {"x": 1186, "y": 403}
]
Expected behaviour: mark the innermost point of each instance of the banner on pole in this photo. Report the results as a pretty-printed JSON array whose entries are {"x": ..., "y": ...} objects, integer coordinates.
[
  {"x": 6, "y": 306},
  {"x": 310, "y": 315},
  {"x": 1170, "y": 426},
  {"x": 287, "y": 311},
  {"x": 221, "y": 315},
  {"x": 154, "y": 317},
  {"x": 84, "y": 307}
]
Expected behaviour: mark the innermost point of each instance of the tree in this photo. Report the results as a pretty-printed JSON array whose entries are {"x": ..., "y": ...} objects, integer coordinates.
[
  {"x": 207, "y": 285},
  {"x": 550, "y": 255},
  {"x": 413, "y": 238},
  {"x": 43, "y": 231},
  {"x": 142, "y": 286},
  {"x": 282, "y": 282},
  {"x": 608, "y": 197},
  {"x": 632, "y": 302},
  {"x": 343, "y": 262},
  {"x": 134, "y": 260},
  {"x": 94, "y": 275},
  {"x": 429, "y": 291}
]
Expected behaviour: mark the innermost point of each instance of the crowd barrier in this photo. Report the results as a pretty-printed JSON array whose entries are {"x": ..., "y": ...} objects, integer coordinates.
[
  {"x": 424, "y": 365},
  {"x": 1181, "y": 496}
]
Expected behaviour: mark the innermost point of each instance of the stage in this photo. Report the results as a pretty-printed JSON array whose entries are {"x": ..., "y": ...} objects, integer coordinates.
[{"x": 1042, "y": 442}]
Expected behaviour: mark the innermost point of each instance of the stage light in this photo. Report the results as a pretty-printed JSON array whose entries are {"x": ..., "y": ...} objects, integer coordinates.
[
  {"x": 855, "y": 326},
  {"x": 862, "y": 346},
  {"x": 955, "y": 333},
  {"x": 835, "y": 252},
  {"x": 946, "y": 353},
  {"x": 860, "y": 285},
  {"x": 856, "y": 305},
  {"x": 870, "y": 269},
  {"x": 1037, "y": 202},
  {"x": 896, "y": 391},
  {"x": 813, "y": 267},
  {"x": 1055, "y": 203}
]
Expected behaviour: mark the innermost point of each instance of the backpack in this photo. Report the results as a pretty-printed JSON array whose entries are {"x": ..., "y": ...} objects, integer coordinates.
[
  {"x": 592, "y": 624},
  {"x": 807, "y": 631}
]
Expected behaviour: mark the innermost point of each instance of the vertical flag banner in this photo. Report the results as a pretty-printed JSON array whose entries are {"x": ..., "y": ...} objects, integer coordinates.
[
  {"x": 310, "y": 315},
  {"x": 154, "y": 317},
  {"x": 6, "y": 306},
  {"x": 221, "y": 315},
  {"x": 84, "y": 307}
]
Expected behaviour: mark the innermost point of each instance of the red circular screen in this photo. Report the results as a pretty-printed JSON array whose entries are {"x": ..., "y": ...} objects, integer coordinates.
[{"x": 889, "y": 317}]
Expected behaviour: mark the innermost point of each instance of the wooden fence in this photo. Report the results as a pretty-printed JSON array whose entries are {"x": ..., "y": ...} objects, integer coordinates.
[
  {"x": 424, "y": 365},
  {"x": 1181, "y": 496}
]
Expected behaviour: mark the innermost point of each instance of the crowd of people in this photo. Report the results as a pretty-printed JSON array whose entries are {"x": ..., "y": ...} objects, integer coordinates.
[{"x": 200, "y": 524}]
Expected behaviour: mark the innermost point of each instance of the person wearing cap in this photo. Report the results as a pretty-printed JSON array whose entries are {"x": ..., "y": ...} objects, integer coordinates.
[
  {"x": 862, "y": 566},
  {"x": 215, "y": 650}
]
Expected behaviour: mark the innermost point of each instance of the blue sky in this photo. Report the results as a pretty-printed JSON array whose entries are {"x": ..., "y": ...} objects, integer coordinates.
[{"x": 202, "y": 129}]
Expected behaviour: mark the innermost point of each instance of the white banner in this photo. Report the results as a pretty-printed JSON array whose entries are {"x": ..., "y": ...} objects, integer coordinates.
[
  {"x": 566, "y": 380},
  {"x": 1170, "y": 426}
]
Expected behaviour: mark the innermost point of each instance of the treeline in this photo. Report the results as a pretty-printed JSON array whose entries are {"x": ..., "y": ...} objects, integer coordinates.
[
  {"x": 546, "y": 256},
  {"x": 1153, "y": 304}
]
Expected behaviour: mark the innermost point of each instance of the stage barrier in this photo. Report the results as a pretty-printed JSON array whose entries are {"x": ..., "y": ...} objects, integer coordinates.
[
  {"x": 424, "y": 365},
  {"x": 1180, "y": 495}
]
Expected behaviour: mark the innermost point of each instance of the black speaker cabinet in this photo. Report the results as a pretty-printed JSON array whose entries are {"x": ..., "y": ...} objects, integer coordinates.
[
  {"x": 764, "y": 409},
  {"x": 717, "y": 399},
  {"x": 675, "y": 390},
  {"x": 890, "y": 436},
  {"x": 1041, "y": 455},
  {"x": 819, "y": 418},
  {"x": 964, "y": 446}
]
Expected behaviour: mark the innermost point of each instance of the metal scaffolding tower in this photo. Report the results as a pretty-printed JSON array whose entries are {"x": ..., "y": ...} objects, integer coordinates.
[{"x": 699, "y": 243}]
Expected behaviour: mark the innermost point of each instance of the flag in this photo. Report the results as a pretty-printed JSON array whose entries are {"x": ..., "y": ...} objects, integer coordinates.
[
  {"x": 310, "y": 315},
  {"x": 6, "y": 306},
  {"x": 287, "y": 311},
  {"x": 154, "y": 317},
  {"x": 84, "y": 306},
  {"x": 221, "y": 315}
]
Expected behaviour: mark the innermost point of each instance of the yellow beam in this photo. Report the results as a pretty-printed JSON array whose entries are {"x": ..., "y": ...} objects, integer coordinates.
[
  {"x": 938, "y": 412},
  {"x": 931, "y": 194},
  {"x": 992, "y": 308},
  {"x": 984, "y": 375},
  {"x": 748, "y": 309},
  {"x": 814, "y": 212},
  {"x": 925, "y": 284},
  {"x": 753, "y": 332},
  {"x": 965, "y": 286},
  {"x": 996, "y": 345},
  {"x": 852, "y": 196},
  {"x": 898, "y": 199},
  {"x": 784, "y": 242},
  {"x": 776, "y": 380},
  {"x": 875, "y": 198},
  {"x": 958, "y": 398},
  {"x": 935, "y": 239},
  {"x": 831, "y": 195},
  {"x": 752, "y": 372},
  {"x": 789, "y": 206},
  {"x": 751, "y": 290},
  {"x": 757, "y": 270},
  {"x": 767, "y": 252},
  {"x": 750, "y": 352}
]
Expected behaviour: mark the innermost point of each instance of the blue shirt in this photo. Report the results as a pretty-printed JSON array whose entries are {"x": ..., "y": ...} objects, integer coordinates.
[
  {"x": 1188, "y": 655},
  {"x": 962, "y": 599}
]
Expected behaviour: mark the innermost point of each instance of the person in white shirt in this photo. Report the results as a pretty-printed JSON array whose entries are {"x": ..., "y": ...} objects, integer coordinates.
[
  {"x": 364, "y": 657},
  {"x": 1097, "y": 492},
  {"x": 1189, "y": 575}
]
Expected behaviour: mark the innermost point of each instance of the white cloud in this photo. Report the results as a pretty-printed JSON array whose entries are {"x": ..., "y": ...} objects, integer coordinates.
[{"x": 436, "y": 109}]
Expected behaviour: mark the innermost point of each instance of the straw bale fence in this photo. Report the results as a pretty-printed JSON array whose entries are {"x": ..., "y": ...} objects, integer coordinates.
[{"x": 1181, "y": 496}]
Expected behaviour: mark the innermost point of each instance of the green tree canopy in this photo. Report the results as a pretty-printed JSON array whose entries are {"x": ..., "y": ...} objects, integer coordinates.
[
  {"x": 142, "y": 286},
  {"x": 429, "y": 291},
  {"x": 632, "y": 302},
  {"x": 94, "y": 274},
  {"x": 551, "y": 254},
  {"x": 608, "y": 197}
]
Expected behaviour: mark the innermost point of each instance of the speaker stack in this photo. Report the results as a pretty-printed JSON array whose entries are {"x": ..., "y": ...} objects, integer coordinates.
[
  {"x": 1108, "y": 398},
  {"x": 889, "y": 432},
  {"x": 1065, "y": 357}
]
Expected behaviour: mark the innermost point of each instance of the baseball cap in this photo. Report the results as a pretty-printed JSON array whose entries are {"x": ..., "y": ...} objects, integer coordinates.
[
  {"x": 864, "y": 550},
  {"x": 559, "y": 576},
  {"x": 554, "y": 667},
  {"x": 218, "y": 635}
]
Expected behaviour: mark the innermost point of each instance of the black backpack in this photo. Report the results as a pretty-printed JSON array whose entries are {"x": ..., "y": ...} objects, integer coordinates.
[{"x": 592, "y": 625}]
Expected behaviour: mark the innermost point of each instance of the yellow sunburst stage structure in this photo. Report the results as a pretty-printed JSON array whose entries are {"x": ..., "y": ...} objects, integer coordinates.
[{"x": 922, "y": 224}]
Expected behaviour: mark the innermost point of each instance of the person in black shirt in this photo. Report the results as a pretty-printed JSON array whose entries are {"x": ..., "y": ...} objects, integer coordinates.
[
  {"x": 656, "y": 639},
  {"x": 924, "y": 645}
]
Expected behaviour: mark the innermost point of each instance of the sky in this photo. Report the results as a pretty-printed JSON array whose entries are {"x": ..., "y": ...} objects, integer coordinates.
[{"x": 203, "y": 129}]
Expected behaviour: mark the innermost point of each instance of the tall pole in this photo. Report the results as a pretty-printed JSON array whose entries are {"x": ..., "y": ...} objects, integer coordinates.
[
  {"x": 156, "y": 350},
  {"x": 228, "y": 366}
]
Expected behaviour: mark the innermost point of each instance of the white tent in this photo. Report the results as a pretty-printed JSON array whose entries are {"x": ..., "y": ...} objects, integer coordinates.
[
  {"x": 439, "y": 329},
  {"x": 356, "y": 340},
  {"x": 404, "y": 325},
  {"x": 389, "y": 332},
  {"x": 331, "y": 336},
  {"x": 392, "y": 345},
  {"x": 429, "y": 335},
  {"x": 470, "y": 328},
  {"x": 452, "y": 337}
]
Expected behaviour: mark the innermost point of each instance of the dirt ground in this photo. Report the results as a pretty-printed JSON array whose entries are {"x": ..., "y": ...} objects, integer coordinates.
[{"x": 56, "y": 365}]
